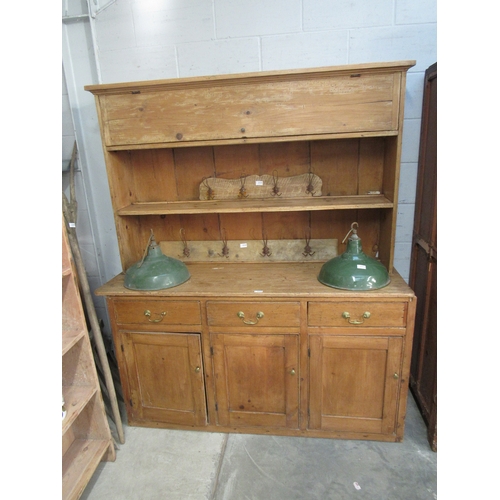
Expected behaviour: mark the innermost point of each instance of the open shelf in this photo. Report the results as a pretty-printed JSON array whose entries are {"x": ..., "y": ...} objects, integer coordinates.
[
  {"x": 75, "y": 399},
  {"x": 70, "y": 338},
  {"x": 258, "y": 205},
  {"x": 79, "y": 464}
]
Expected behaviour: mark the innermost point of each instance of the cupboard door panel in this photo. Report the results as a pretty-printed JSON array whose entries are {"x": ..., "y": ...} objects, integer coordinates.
[
  {"x": 257, "y": 379},
  {"x": 165, "y": 375},
  {"x": 354, "y": 382}
]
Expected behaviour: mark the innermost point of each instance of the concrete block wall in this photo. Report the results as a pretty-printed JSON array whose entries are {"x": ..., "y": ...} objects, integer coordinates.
[{"x": 131, "y": 40}]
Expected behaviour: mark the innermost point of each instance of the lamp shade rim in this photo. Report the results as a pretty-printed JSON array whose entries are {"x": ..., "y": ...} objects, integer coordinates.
[{"x": 360, "y": 285}]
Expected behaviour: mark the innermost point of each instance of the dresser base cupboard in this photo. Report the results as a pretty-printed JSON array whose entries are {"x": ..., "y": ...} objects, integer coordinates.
[
  {"x": 301, "y": 369},
  {"x": 252, "y": 342}
]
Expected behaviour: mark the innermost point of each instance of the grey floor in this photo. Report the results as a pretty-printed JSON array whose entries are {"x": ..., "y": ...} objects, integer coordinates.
[{"x": 189, "y": 465}]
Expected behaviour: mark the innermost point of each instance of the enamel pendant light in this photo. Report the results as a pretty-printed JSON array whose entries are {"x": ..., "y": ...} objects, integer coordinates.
[
  {"x": 155, "y": 271},
  {"x": 354, "y": 270}
]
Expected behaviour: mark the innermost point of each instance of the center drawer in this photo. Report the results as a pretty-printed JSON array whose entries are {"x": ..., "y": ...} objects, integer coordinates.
[
  {"x": 146, "y": 312},
  {"x": 357, "y": 313},
  {"x": 253, "y": 314}
]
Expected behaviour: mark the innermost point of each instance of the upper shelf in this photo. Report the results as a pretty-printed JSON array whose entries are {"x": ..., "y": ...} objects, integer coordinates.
[{"x": 258, "y": 205}]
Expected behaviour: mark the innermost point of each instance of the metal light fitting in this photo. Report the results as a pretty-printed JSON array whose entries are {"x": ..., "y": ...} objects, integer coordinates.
[
  {"x": 155, "y": 271},
  {"x": 354, "y": 270}
]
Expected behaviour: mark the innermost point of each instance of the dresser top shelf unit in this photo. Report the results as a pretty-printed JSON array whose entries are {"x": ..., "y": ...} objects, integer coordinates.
[{"x": 163, "y": 138}]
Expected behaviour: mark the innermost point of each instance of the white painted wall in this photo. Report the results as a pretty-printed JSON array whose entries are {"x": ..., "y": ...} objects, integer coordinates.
[{"x": 127, "y": 40}]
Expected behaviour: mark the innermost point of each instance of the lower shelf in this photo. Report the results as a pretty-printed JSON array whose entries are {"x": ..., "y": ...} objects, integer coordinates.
[
  {"x": 79, "y": 464},
  {"x": 75, "y": 399}
]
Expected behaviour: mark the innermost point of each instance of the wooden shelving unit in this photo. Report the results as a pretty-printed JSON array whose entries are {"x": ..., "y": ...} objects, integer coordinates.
[
  {"x": 86, "y": 437},
  {"x": 259, "y": 345}
]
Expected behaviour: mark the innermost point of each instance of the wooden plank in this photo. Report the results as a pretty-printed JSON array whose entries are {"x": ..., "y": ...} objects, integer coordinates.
[
  {"x": 79, "y": 464},
  {"x": 356, "y": 102},
  {"x": 195, "y": 163},
  {"x": 253, "y": 141},
  {"x": 256, "y": 280},
  {"x": 288, "y": 158},
  {"x": 256, "y": 205},
  {"x": 200, "y": 81},
  {"x": 251, "y": 250},
  {"x": 260, "y": 186},
  {"x": 336, "y": 162},
  {"x": 153, "y": 171},
  {"x": 371, "y": 166},
  {"x": 234, "y": 161}
]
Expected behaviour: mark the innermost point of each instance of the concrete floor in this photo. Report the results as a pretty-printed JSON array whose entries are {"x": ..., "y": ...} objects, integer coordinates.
[{"x": 156, "y": 464}]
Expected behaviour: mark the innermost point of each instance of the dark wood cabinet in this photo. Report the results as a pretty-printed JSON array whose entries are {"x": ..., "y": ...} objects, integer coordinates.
[{"x": 423, "y": 274}]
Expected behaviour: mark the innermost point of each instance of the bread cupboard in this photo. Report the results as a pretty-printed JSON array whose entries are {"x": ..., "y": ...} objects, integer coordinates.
[{"x": 253, "y": 181}]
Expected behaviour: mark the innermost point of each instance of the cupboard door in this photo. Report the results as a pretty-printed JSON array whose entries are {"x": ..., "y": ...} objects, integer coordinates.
[
  {"x": 354, "y": 383},
  {"x": 165, "y": 377},
  {"x": 257, "y": 381}
]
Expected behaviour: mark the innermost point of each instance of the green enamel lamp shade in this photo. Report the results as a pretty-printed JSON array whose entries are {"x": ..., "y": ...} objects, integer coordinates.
[
  {"x": 156, "y": 271},
  {"x": 354, "y": 270}
]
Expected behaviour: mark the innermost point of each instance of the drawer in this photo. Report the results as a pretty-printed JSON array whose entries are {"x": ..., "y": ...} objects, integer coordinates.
[
  {"x": 354, "y": 313},
  {"x": 145, "y": 312},
  {"x": 256, "y": 314}
]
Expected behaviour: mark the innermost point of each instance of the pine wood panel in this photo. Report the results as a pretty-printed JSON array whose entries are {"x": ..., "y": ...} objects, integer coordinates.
[
  {"x": 79, "y": 464},
  {"x": 165, "y": 377},
  {"x": 165, "y": 312},
  {"x": 280, "y": 314},
  {"x": 256, "y": 280},
  {"x": 257, "y": 383},
  {"x": 354, "y": 383},
  {"x": 355, "y": 102},
  {"x": 382, "y": 314},
  {"x": 258, "y": 205}
]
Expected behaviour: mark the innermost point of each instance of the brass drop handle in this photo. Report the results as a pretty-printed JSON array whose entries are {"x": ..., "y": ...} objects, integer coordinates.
[
  {"x": 347, "y": 316},
  {"x": 259, "y": 315},
  {"x": 147, "y": 313},
  {"x": 292, "y": 371},
  {"x": 396, "y": 376},
  {"x": 197, "y": 369}
]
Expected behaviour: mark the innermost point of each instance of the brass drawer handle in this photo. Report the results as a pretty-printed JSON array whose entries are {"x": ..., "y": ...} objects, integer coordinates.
[
  {"x": 347, "y": 316},
  {"x": 197, "y": 369},
  {"x": 147, "y": 313},
  {"x": 259, "y": 315},
  {"x": 292, "y": 371}
]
